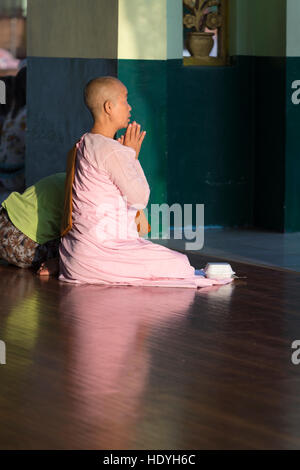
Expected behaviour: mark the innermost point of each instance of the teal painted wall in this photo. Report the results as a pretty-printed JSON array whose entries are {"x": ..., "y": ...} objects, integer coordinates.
[
  {"x": 197, "y": 120},
  {"x": 292, "y": 151},
  {"x": 259, "y": 34},
  {"x": 229, "y": 123},
  {"x": 270, "y": 137},
  {"x": 210, "y": 154}
]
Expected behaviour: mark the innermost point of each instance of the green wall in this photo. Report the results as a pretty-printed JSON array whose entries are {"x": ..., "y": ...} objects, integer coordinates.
[
  {"x": 292, "y": 150},
  {"x": 210, "y": 155},
  {"x": 199, "y": 121},
  {"x": 269, "y": 137},
  {"x": 223, "y": 136},
  {"x": 259, "y": 34}
]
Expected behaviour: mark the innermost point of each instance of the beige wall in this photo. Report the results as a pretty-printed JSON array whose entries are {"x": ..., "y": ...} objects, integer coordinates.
[
  {"x": 73, "y": 28},
  {"x": 150, "y": 29},
  {"x": 142, "y": 30}
]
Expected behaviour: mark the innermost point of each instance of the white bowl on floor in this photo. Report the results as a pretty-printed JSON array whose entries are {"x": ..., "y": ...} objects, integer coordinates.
[{"x": 218, "y": 271}]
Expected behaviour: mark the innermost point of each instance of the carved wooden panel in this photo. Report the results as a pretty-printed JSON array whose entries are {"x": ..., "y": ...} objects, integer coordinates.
[{"x": 205, "y": 31}]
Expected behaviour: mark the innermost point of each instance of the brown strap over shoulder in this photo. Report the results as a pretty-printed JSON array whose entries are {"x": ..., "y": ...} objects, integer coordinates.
[
  {"x": 143, "y": 226},
  {"x": 66, "y": 223}
]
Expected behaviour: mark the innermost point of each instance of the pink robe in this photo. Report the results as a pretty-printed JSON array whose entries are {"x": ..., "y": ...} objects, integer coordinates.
[{"x": 103, "y": 246}]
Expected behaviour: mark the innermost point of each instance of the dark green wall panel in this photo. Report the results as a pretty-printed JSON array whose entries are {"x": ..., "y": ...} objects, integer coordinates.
[
  {"x": 147, "y": 94},
  {"x": 269, "y": 119},
  {"x": 210, "y": 140},
  {"x": 292, "y": 159}
]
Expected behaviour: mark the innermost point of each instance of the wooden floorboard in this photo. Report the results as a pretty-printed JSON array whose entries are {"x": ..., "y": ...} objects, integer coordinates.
[{"x": 92, "y": 367}]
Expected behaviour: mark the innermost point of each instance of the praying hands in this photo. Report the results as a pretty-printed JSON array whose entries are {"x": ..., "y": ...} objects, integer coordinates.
[{"x": 133, "y": 137}]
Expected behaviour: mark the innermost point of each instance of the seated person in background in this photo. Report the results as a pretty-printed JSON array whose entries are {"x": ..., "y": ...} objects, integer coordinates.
[
  {"x": 12, "y": 143},
  {"x": 30, "y": 224}
]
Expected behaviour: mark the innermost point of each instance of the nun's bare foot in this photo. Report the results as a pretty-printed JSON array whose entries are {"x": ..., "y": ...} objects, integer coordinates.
[{"x": 49, "y": 267}]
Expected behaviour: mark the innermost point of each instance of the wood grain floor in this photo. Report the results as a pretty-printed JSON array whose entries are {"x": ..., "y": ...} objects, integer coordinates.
[{"x": 91, "y": 367}]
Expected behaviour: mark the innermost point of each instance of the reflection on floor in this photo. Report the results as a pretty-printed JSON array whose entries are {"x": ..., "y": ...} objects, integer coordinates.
[
  {"x": 95, "y": 367},
  {"x": 249, "y": 246}
]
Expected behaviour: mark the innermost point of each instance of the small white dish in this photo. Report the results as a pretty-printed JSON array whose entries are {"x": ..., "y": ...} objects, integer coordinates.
[{"x": 218, "y": 271}]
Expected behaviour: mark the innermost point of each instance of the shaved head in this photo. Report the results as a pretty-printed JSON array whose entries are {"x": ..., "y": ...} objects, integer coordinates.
[{"x": 99, "y": 90}]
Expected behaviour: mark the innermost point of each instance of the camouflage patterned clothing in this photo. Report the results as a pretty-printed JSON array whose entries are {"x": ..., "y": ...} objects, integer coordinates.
[{"x": 18, "y": 249}]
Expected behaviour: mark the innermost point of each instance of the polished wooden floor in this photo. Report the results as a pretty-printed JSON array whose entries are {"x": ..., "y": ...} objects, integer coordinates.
[{"x": 91, "y": 367}]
